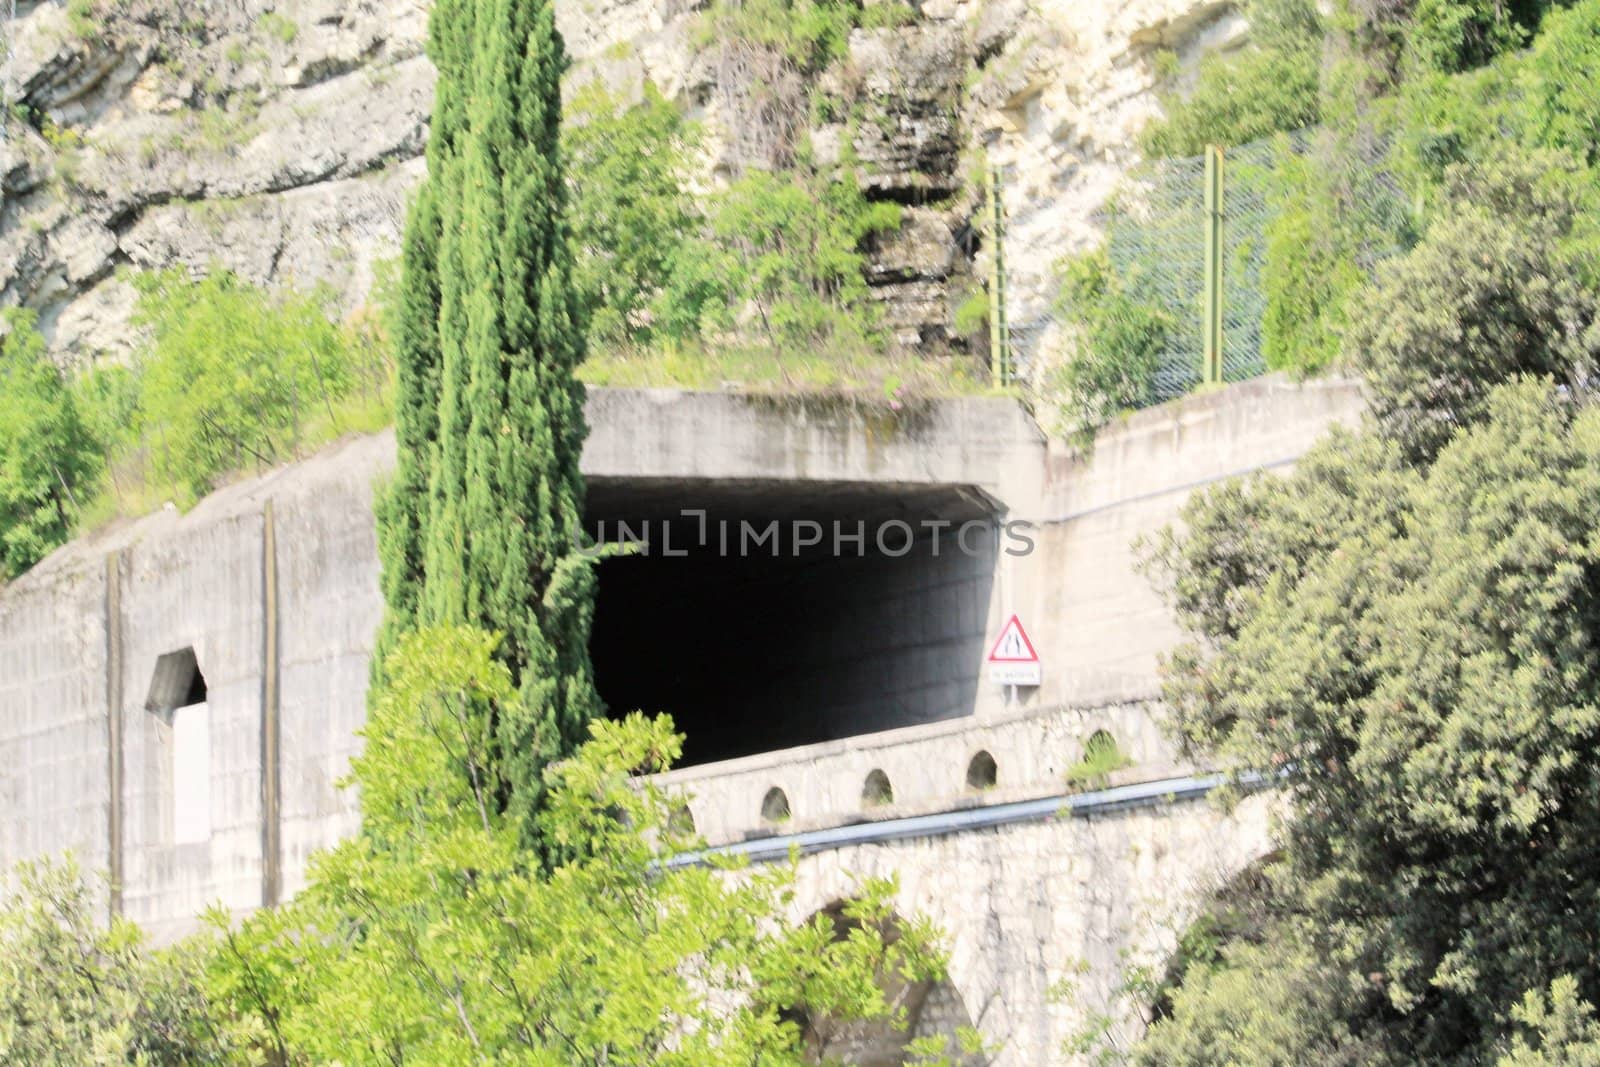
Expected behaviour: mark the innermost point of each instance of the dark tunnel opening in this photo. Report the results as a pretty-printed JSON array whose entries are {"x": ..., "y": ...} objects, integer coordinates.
[{"x": 764, "y": 623}]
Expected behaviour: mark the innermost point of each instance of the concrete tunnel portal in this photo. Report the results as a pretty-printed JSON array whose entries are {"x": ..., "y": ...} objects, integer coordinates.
[{"x": 763, "y": 615}]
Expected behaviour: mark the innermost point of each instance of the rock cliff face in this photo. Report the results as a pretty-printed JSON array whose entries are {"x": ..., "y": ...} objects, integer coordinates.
[
  {"x": 276, "y": 141},
  {"x": 280, "y": 138}
]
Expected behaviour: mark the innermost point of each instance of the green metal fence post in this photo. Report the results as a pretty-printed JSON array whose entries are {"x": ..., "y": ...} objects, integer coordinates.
[
  {"x": 999, "y": 331},
  {"x": 1212, "y": 370}
]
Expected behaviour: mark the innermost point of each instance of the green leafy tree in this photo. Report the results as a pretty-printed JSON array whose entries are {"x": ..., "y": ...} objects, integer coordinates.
[
  {"x": 74, "y": 991},
  {"x": 1123, "y": 335},
  {"x": 1456, "y": 35},
  {"x": 1501, "y": 285},
  {"x": 807, "y": 33},
  {"x": 1259, "y": 1006},
  {"x": 770, "y": 267},
  {"x": 1271, "y": 86},
  {"x": 1556, "y": 78},
  {"x": 48, "y": 456},
  {"x": 107, "y": 398},
  {"x": 1535, "y": 98},
  {"x": 428, "y": 940},
  {"x": 1558, "y": 1030},
  {"x": 232, "y": 375},
  {"x": 1410, "y": 652},
  {"x": 1336, "y": 208},
  {"x": 632, "y": 220},
  {"x": 402, "y": 506},
  {"x": 486, "y": 509},
  {"x": 783, "y": 262}
]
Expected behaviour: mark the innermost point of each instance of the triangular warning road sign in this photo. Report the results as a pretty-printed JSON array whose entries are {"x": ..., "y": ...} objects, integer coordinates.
[{"x": 1013, "y": 645}]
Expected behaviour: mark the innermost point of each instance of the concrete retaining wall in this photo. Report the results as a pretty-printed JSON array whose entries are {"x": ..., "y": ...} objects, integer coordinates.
[
  {"x": 199, "y": 587},
  {"x": 926, "y": 767},
  {"x": 78, "y": 647},
  {"x": 1035, "y": 906},
  {"x": 1099, "y": 624},
  {"x": 53, "y": 731},
  {"x": 281, "y": 614}
]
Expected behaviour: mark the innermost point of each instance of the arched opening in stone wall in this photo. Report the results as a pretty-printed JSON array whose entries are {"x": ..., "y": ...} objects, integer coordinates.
[
  {"x": 775, "y": 806},
  {"x": 766, "y": 615},
  {"x": 982, "y": 771},
  {"x": 1102, "y": 757},
  {"x": 1237, "y": 910},
  {"x": 876, "y": 791},
  {"x": 932, "y": 1010}
]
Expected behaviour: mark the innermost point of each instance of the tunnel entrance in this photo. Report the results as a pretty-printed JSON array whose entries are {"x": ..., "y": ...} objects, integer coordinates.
[{"x": 764, "y": 615}]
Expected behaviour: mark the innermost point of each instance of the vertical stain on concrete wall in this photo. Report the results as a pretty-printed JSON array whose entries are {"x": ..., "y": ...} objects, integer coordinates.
[
  {"x": 113, "y": 626},
  {"x": 271, "y": 853}
]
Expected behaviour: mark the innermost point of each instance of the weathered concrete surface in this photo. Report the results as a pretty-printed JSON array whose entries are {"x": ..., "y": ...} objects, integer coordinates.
[
  {"x": 187, "y": 590},
  {"x": 53, "y": 744},
  {"x": 1022, "y": 903},
  {"x": 926, "y": 767},
  {"x": 1099, "y": 624},
  {"x": 1033, "y": 906},
  {"x": 196, "y": 581},
  {"x": 639, "y": 434}
]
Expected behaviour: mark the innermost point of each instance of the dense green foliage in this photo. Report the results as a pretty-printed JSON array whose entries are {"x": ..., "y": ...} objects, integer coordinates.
[
  {"x": 1402, "y": 635},
  {"x": 1121, "y": 338},
  {"x": 806, "y": 34},
  {"x": 47, "y": 453},
  {"x": 229, "y": 377},
  {"x": 633, "y": 223},
  {"x": 483, "y": 521},
  {"x": 772, "y": 259},
  {"x": 1272, "y": 85},
  {"x": 233, "y": 375},
  {"x": 1335, "y": 210},
  {"x": 226, "y": 376},
  {"x": 1411, "y": 650},
  {"x": 1535, "y": 98},
  {"x": 1377, "y": 179},
  {"x": 1308, "y": 276},
  {"x": 74, "y": 991},
  {"x": 1455, "y": 35},
  {"x": 1407, "y": 100},
  {"x": 1558, "y": 1030},
  {"x": 1503, "y": 285},
  {"x": 464, "y": 955},
  {"x": 785, "y": 252}
]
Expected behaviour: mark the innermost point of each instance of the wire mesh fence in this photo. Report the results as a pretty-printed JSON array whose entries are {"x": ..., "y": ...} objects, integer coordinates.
[{"x": 1156, "y": 240}]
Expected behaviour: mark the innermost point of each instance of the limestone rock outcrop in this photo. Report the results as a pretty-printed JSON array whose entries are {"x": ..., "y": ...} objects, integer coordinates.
[
  {"x": 280, "y": 139},
  {"x": 276, "y": 140}
]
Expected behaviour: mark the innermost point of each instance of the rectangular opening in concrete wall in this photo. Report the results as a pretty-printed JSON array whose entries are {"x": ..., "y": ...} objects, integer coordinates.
[
  {"x": 765, "y": 615},
  {"x": 176, "y": 682},
  {"x": 178, "y": 696}
]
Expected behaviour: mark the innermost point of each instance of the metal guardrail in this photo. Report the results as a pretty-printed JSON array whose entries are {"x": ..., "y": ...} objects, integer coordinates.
[{"x": 1072, "y": 805}]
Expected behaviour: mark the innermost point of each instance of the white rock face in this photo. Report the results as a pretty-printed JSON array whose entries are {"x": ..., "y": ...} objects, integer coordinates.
[
  {"x": 1059, "y": 106},
  {"x": 280, "y": 138}
]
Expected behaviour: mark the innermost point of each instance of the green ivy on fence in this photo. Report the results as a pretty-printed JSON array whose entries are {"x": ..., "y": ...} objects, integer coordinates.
[{"x": 1304, "y": 218}]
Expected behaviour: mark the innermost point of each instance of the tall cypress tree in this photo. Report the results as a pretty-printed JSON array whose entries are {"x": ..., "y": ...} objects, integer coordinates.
[
  {"x": 480, "y": 524},
  {"x": 402, "y": 508}
]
